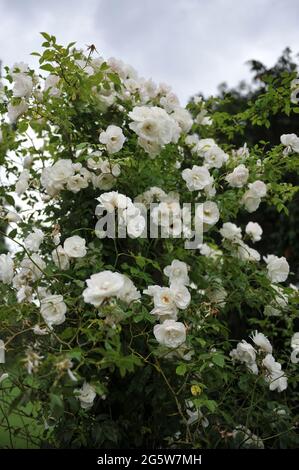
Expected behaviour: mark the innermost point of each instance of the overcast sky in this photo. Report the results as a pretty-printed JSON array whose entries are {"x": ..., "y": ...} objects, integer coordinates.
[{"x": 191, "y": 44}]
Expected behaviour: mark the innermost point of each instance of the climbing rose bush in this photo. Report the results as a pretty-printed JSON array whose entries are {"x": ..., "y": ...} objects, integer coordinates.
[{"x": 185, "y": 338}]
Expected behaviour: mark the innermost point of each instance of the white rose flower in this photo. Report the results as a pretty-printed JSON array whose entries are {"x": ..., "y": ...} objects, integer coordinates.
[
  {"x": 258, "y": 188},
  {"x": 170, "y": 102},
  {"x": 192, "y": 141},
  {"x": 23, "y": 182},
  {"x": 86, "y": 394},
  {"x": 54, "y": 178},
  {"x": 32, "y": 267},
  {"x": 15, "y": 111},
  {"x": 18, "y": 67},
  {"x": 128, "y": 293},
  {"x": 197, "y": 178},
  {"x": 177, "y": 272},
  {"x": 60, "y": 258},
  {"x": 43, "y": 292},
  {"x": 207, "y": 214},
  {"x": 208, "y": 251},
  {"x": 163, "y": 297},
  {"x": 215, "y": 157},
  {"x": 164, "y": 313},
  {"x": 278, "y": 268},
  {"x": 113, "y": 200},
  {"x": 151, "y": 147},
  {"x": 246, "y": 253},
  {"x": 33, "y": 241},
  {"x": 262, "y": 342},
  {"x": 6, "y": 268},
  {"x": 101, "y": 286},
  {"x": 251, "y": 201},
  {"x": 210, "y": 190},
  {"x": 270, "y": 364},
  {"x": 13, "y": 217},
  {"x": 170, "y": 333},
  {"x": 27, "y": 163},
  {"x": 181, "y": 295},
  {"x": 104, "y": 181},
  {"x": 79, "y": 181},
  {"x": 254, "y": 230},
  {"x": 53, "y": 310},
  {"x": 278, "y": 381},
  {"x": 275, "y": 376},
  {"x": 136, "y": 226},
  {"x": 231, "y": 231},
  {"x": 183, "y": 118},
  {"x": 203, "y": 145},
  {"x": 166, "y": 213},
  {"x": 75, "y": 247},
  {"x": 51, "y": 84},
  {"x": 202, "y": 119},
  {"x": 245, "y": 352},
  {"x": 24, "y": 294},
  {"x": 291, "y": 142},
  {"x": 153, "y": 124},
  {"x": 23, "y": 85},
  {"x": 238, "y": 178},
  {"x": 113, "y": 138}
]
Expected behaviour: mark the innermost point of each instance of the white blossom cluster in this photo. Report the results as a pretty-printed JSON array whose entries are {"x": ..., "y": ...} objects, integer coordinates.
[
  {"x": 207, "y": 149},
  {"x": 129, "y": 215},
  {"x": 64, "y": 175},
  {"x": 261, "y": 356},
  {"x": 107, "y": 284},
  {"x": 73, "y": 247},
  {"x": 253, "y": 196},
  {"x": 291, "y": 142},
  {"x": 167, "y": 303},
  {"x": 154, "y": 128}
]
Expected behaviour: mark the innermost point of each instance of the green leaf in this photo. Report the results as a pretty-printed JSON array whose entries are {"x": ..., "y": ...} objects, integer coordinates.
[
  {"x": 46, "y": 36},
  {"x": 23, "y": 126},
  {"x": 218, "y": 359},
  {"x": 75, "y": 353},
  {"x": 56, "y": 405},
  {"x": 47, "y": 67},
  {"x": 181, "y": 369},
  {"x": 211, "y": 405},
  {"x": 13, "y": 233},
  {"x": 9, "y": 199}
]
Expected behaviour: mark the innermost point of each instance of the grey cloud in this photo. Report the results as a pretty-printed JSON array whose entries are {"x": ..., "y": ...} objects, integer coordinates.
[{"x": 191, "y": 44}]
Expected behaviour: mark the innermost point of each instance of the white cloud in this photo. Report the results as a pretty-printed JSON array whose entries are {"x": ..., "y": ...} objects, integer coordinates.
[{"x": 191, "y": 44}]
